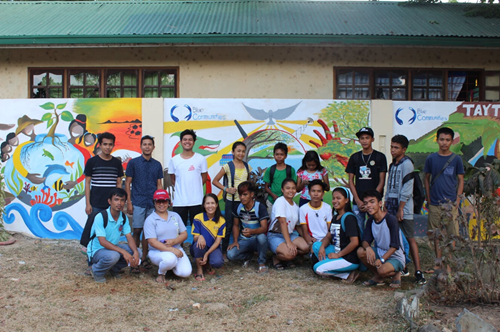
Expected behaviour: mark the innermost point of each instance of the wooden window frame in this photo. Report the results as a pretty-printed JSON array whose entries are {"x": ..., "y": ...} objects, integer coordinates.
[
  {"x": 32, "y": 86},
  {"x": 84, "y": 87},
  {"x": 490, "y": 87},
  {"x": 159, "y": 86},
  {"x": 103, "y": 78},
  {"x": 409, "y": 79}
]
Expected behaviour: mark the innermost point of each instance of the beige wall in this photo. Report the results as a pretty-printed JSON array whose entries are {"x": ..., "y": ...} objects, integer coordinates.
[{"x": 240, "y": 72}]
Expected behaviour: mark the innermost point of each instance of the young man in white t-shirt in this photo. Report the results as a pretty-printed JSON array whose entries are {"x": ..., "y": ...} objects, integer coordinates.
[
  {"x": 315, "y": 216},
  {"x": 188, "y": 173}
]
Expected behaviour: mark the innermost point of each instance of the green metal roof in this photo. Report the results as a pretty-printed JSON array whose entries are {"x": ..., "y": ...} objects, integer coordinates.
[{"x": 242, "y": 22}]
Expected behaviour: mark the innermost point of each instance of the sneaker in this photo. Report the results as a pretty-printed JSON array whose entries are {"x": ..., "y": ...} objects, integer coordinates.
[
  {"x": 420, "y": 278},
  {"x": 98, "y": 279},
  {"x": 405, "y": 272}
]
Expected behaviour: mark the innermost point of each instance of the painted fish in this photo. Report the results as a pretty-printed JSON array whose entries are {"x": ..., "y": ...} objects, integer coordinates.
[
  {"x": 58, "y": 185},
  {"x": 51, "y": 172},
  {"x": 67, "y": 163},
  {"x": 47, "y": 154}
]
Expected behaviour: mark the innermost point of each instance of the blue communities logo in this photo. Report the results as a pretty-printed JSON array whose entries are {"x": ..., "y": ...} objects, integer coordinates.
[
  {"x": 411, "y": 115},
  {"x": 181, "y": 111},
  {"x": 410, "y": 120}
]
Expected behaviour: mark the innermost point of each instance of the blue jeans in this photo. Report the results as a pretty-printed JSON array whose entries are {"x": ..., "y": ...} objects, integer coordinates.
[
  {"x": 361, "y": 216},
  {"x": 105, "y": 260},
  {"x": 248, "y": 247}
]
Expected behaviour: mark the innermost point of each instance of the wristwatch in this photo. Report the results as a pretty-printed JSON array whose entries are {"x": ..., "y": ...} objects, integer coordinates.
[{"x": 382, "y": 260}]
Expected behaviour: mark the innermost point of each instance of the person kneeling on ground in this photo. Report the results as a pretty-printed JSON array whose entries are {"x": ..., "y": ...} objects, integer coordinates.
[
  {"x": 165, "y": 233},
  {"x": 209, "y": 228},
  {"x": 383, "y": 228},
  {"x": 253, "y": 218},
  {"x": 336, "y": 253},
  {"x": 315, "y": 216},
  {"x": 104, "y": 252},
  {"x": 284, "y": 244}
]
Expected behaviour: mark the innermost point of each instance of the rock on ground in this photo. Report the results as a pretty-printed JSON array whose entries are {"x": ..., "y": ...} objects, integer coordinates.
[{"x": 468, "y": 322}]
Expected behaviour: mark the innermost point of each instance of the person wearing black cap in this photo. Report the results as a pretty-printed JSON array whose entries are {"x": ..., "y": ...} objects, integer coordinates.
[{"x": 366, "y": 170}]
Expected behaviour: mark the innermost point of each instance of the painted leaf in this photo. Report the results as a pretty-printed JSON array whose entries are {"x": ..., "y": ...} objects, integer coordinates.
[
  {"x": 50, "y": 122},
  {"x": 48, "y": 106},
  {"x": 489, "y": 137},
  {"x": 46, "y": 116},
  {"x": 66, "y": 116},
  {"x": 61, "y": 106}
]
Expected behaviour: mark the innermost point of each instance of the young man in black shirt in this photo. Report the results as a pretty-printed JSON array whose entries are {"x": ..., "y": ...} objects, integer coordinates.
[{"x": 366, "y": 170}]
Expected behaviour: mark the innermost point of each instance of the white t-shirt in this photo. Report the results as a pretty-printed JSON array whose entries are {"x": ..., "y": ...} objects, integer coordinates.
[
  {"x": 188, "y": 184},
  {"x": 316, "y": 219},
  {"x": 281, "y": 208}
]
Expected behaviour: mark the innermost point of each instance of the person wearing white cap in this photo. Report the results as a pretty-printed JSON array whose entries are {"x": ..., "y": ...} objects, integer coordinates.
[{"x": 165, "y": 233}]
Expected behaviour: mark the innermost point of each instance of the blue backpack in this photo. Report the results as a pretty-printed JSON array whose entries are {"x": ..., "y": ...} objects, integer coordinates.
[{"x": 232, "y": 171}]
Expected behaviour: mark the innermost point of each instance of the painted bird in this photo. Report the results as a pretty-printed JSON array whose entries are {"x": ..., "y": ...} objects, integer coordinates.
[{"x": 280, "y": 114}]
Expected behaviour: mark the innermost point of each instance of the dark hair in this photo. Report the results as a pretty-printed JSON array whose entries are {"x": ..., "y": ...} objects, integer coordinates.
[
  {"x": 4, "y": 144},
  {"x": 371, "y": 193},
  {"x": 80, "y": 120},
  {"x": 218, "y": 214},
  {"x": 189, "y": 132},
  {"x": 281, "y": 146},
  {"x": 315, "y": 183},
  {"x": 308, "y": 157},
  {"x": 345, "y": 193},
  {"x": 236, "y": 144},
  {"x": 400, "y": 139},
  {"x": 10, "y": 136},
  {"x": 446, "y": 131},
  {"x": 246, "y": 186},
  {"x": 148, "y": 137},
  {"x": 91, "y": 135},
  {"x": 117, "y": 192},
  {"x": 285, "y": 181},
  {"x": 106, "y": 135}
]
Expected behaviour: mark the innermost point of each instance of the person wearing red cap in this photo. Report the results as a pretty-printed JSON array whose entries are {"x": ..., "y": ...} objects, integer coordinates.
[{"x": 165, "y": 233}]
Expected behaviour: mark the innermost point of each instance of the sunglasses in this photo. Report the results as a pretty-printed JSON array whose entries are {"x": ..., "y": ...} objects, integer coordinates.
[{"x": 162, "y": 201}]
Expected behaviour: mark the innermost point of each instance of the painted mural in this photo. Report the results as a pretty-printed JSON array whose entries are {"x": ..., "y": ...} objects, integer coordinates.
[
  {"x": 45, "y": 145},
  {"x": 328, "y": 126}
]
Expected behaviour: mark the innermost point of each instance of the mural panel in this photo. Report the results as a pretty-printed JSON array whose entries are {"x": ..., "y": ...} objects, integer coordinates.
[
  {"x": 327, "y": 126},
  {"x": 45, "y": 145}
]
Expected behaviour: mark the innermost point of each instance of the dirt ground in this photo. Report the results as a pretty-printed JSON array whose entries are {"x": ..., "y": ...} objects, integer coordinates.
[{"x": 44, "y": 288}]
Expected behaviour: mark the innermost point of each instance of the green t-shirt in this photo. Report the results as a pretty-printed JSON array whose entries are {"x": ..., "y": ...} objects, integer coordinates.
[{"x": 278, "y": 178}]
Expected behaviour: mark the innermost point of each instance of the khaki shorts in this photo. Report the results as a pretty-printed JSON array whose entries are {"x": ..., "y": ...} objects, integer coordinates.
[{"x": 437, "y": 216}]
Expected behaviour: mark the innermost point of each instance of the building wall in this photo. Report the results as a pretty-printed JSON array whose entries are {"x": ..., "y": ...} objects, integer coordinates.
[{"x": 241, "y": 72}]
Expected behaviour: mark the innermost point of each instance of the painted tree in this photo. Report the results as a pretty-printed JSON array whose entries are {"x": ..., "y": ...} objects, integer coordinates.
[{"x": 52, "y": 118}]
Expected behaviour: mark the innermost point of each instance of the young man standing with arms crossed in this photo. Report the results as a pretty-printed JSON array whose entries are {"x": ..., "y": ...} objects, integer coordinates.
[
  {"x": 144, "y": 173},
  {"x": 399, "y": 198},
  {"x": 188, "y": 173},
  {"x": 366, "y": 169},
  {"x": 444, "y": 181},
  {"x": 102, "y": 173}
]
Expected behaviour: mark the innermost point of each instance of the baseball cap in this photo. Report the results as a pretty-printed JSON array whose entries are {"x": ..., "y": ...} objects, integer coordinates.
[
  {"x": 161, "y": 195},
  {"x": 365, "y": 130}
]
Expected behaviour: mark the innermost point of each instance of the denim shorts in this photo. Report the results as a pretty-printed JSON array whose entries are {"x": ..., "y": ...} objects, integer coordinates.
[
  {"x": 275, "y": 239},
  {"x": 398, "y": 266},
  {"x": 140, "y": 214}
]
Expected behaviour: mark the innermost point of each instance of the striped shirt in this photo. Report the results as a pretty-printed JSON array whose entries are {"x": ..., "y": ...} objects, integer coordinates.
[
  {"x": 250, "y": 218},
  {"x": 104, "y": 174}
]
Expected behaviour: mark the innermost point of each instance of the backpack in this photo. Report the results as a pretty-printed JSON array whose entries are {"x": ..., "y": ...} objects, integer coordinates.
[
  {"x": 361, "y": 231},
  {"x": 273, "y": 170},
  {"x": 86, "y": 238},
  {"x": 256, "y": 207},
  {"x": 418, "y": 189},
  {"x": 232, "y": 171}
]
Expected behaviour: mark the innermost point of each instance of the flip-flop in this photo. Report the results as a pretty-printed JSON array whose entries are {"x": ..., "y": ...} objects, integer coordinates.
[
  {"x": 279, "y": 266},
  {"x": 395, "y": 284},
  {"x": 290, "y": 265},
  {"x": 262, "y": 269},
  {"x": 211, "y": 271},
  {"x": 199, "y": 277},
  {"x": 371, "y": 282}
]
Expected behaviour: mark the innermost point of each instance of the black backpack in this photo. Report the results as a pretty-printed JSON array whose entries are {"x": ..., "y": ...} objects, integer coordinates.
[
  {"x": 418, "y": 189},
  {"x": 273, "y": 170},
  {"x": 86, "y": 238}
]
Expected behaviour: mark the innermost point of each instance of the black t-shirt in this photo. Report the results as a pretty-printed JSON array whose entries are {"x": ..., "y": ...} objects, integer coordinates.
[
  {"x": 351, "y": 229},
  {"x": 366, "y": 170},
  {"x": 104, "y": 174}
]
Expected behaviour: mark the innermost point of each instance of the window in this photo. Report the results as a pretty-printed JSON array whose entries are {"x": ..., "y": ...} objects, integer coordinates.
[
  {"x": 353, "y": 84},
  {"x": 103, "y": 82},
  {"x": 416, "y": 84},
  {"x": 159, "y": 84},
  {"x": 46, "y": 83},
  {"x": 390, "y": 85},
  {"x": 492, "y": 86}
]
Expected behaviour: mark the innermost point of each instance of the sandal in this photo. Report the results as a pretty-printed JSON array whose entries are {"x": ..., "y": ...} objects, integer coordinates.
[
  {"x": 199, "y": 277},
  {"x": 262, "y": 269},
  {"x": 395, "y": 284},
  {"x": 290, "y": 265},
  {"x": 135, "y": 270},
  {"x": 146, "y": 265},
  {"x": 279, "y": 266},
  {"x": 371, "y": 282}
]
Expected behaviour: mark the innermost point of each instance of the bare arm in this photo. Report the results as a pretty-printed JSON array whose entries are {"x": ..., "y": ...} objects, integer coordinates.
[
  {"x": 119, "y": 182},
  {"x": 300, "y": 184},
  {"x": 132, "y": 260},
  {"x": 159, "y": 184},
  {"x": 460, "y": 189},
  {"x": 428, "y": 188},
  {"x": 88, "y": 208},
  {"x": 130, "y": 206},
  {"x": 268, "y": 190},
  {"x": 381, "y": 183},
  {"x": 327, "y": 182},
  {"x": 172, "y": 179},
  {"x": 353, "y": 244},
  {"x": 353, "y": 190},
  {"x": 203, "y": 178},
  {"x": 216, "y": 180},
  {"x": 305, "y": 232}
]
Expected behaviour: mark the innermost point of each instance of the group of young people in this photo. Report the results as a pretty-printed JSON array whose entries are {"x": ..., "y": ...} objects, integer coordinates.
[{"x": 338, "y": 240}]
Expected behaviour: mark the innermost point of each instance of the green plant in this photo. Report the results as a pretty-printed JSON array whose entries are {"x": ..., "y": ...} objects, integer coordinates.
[{"x": 52, "y": 119}]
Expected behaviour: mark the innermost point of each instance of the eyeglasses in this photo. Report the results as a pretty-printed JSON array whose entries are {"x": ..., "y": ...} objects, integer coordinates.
[{"x": 162, "y": 201}]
